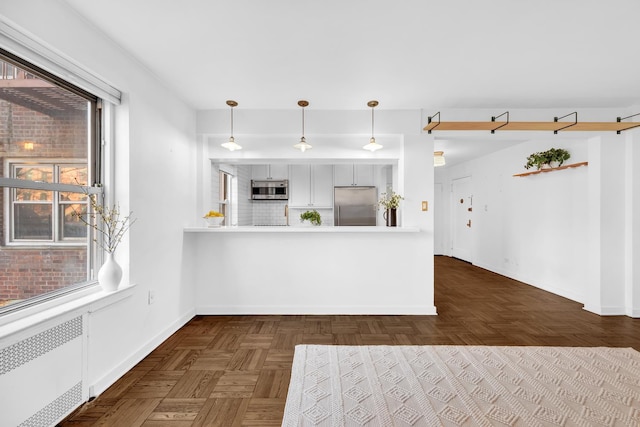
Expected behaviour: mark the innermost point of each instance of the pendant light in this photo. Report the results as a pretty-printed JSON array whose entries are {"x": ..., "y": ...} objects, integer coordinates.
[
  {"x": 372, "y": 145},
  {"x": 438, "y": 158},
  {"x": 231, "y": 145},
  {"x": 303, "y": 145}
]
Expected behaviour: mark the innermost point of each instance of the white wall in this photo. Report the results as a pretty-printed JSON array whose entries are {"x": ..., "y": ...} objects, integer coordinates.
[
  {"x": 154, "y": 177},
  {"x": 530, "y": 228},
  {"x": 569, "y": 231}
]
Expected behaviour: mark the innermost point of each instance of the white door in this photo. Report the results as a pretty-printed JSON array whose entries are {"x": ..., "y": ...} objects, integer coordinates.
[{"x": 461, "y": 216}]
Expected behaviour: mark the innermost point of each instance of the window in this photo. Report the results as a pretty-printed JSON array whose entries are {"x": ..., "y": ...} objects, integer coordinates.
[
  {"x": 49, "y": 160},
  {"x": 39, "y": 216},
  {"x": 225, "y": 196}
]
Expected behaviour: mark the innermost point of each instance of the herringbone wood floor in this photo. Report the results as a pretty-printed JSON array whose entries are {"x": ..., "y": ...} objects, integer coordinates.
[{"x": 235, "y": 370}]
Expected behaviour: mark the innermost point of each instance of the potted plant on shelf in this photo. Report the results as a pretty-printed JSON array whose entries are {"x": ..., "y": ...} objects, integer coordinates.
[
  {"x": 391, "y": 203},
  {"x": 109, "y": 229},
  {"x": 312, "y": 216},
  {"x": 553, "y": 157},
  {"x": 214, "y": 218}
]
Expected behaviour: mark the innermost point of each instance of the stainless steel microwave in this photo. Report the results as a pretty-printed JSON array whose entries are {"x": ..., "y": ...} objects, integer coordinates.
[{"x": 271, "y": 189}]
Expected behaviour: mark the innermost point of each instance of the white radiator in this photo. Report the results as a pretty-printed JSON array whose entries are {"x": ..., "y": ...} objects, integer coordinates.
[{"x": 43, "y": 374}]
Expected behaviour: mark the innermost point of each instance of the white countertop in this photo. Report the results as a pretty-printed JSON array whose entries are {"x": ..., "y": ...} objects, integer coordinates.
[{"x": 307, "y": 229}]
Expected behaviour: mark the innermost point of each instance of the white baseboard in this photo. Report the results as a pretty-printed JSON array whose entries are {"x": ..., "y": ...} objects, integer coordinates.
[
  {"x": 315, "y": 310},
  {"x": 111, "y": 377},
  {"x": 631, "y": 312},
  {"x": 554, "y": 290},
  {"x": 605, "y": 311}
]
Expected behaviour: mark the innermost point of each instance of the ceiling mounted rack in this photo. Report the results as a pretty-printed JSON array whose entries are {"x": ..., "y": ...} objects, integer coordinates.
[
  {"x": 620, "y": 119},
  {"x": 556, "y": 125},
  {"x": 493, "y": 119}
]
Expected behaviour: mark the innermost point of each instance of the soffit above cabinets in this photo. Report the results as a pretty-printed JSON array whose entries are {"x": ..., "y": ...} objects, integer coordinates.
[{"x": 502, "y": 123}]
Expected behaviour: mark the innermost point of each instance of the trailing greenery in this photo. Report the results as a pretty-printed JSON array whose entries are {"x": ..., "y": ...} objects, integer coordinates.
[
  {"x": 539, "y": 159},
  {"x": 312, "y": 216}
]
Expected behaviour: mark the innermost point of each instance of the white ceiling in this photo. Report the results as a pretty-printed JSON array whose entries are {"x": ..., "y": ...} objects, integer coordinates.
[{"x": 339, "y": 54}]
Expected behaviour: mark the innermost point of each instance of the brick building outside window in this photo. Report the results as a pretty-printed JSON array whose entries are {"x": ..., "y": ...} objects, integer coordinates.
[{"x": 47, "y": 160}]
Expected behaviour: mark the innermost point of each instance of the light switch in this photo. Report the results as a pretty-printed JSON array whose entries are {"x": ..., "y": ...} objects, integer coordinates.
[{"x": 425, "y": 205}]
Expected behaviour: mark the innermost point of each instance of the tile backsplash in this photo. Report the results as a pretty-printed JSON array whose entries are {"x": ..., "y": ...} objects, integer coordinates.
[{"x": 269, "y": 212}]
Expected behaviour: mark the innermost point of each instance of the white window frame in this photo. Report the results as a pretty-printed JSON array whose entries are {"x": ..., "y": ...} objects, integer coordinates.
[{"x": 54, "y": 187}]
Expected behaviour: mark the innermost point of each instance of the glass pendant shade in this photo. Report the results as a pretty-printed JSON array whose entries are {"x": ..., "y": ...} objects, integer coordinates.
[
  {"x": 303, "y": 145},
  {"x": 231, "y": 145},
  {"x": 372, "y": 145},
  {"x": 438, "y": 158}
]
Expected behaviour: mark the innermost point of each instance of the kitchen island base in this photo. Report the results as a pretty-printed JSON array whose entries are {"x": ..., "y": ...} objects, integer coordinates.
[{"x": 333, "y": 271}]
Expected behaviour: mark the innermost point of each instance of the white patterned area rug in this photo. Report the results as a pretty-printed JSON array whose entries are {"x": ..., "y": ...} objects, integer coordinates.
[{"x": 463, "y": 386}]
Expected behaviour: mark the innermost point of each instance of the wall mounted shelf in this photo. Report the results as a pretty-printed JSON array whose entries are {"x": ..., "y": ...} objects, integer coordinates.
[
  {"x": 555, "y": 126},
  {"x": 574, "y": 165}
]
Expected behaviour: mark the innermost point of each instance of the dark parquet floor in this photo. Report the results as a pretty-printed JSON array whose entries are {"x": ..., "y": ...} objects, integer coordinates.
[{"x": 235, "y": 370}]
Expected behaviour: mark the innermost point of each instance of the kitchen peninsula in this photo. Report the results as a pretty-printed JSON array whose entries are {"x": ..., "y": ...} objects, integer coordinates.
[
  {"x": 309, "y": 270},
  {"x": 327, "y": 269}
]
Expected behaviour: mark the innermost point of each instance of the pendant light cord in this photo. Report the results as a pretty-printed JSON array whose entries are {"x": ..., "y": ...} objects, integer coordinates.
[
  {"x": 372, "y": 122},
  {"x": 231, "y": 122}
]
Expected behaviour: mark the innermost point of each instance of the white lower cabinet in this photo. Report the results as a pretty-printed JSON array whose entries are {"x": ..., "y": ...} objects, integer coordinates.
[{"x": 311, "y": 186}]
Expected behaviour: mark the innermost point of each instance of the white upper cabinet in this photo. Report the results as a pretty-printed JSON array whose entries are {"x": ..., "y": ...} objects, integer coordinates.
[
  {"x": 322, "y": 185},
  {"x": 274, "y": 171},
  {"x": 354, "y": 174},
  {"x": 311, "y": 186}
]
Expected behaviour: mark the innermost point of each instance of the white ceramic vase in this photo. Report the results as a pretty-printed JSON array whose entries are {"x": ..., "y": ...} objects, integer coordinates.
[{"x": 110, "y": 274}]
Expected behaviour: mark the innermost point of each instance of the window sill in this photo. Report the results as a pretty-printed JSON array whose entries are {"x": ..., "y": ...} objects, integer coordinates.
[{"x": 88, "y": 300}]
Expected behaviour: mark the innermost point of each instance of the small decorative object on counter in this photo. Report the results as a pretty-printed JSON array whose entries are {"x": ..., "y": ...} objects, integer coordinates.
[
  {"x": 552, "y": 158},
  {"x": 312, "y": 216},
  {"x": 214, "y": 218},
  {"x": 109, "y": 231},
  {"x": 391, "y": 203}
]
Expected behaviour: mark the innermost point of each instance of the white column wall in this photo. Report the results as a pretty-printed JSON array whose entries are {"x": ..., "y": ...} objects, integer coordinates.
[
  {"x": 632, "y": 228},
  {"x": 593, "y": 295},
  {"x": 607, "y": 223}
]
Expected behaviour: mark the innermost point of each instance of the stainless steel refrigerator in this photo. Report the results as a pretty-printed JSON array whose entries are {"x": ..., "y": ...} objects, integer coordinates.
[{"x": 355, "y": 206}]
